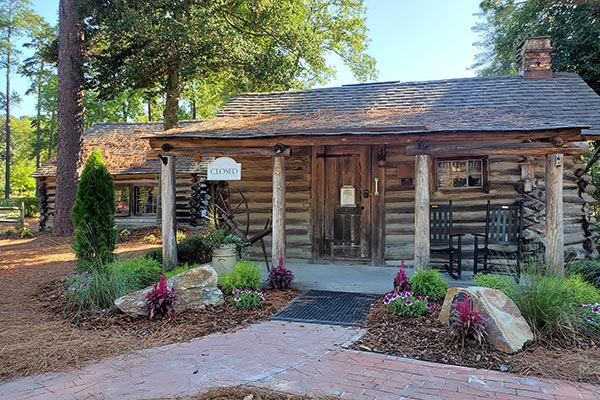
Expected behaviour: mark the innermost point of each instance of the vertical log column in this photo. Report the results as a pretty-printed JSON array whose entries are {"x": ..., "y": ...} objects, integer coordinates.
[
  {"x": 278, "y": 237},
  {"x": 555, "y": 254},
  {"x": 422, "y": 243},
  {"x": 169, "y": 204}
]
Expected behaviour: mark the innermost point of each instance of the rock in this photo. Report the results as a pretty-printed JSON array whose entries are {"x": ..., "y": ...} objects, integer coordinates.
[
  {"x": 506, "y": 329},
  {"x": 196, "y": 289}
]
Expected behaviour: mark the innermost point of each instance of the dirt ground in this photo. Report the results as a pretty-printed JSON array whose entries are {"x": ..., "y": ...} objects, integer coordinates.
[{"x": 37, "y": 335}]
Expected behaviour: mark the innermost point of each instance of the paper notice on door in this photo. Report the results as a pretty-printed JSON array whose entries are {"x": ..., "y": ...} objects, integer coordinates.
[{"x": 347, "y": 196}]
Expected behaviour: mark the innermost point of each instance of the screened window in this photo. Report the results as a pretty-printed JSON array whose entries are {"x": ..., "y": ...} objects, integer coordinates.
[
  {"x": 145, "y": 200},
  {"x": 461, "y": 173}
]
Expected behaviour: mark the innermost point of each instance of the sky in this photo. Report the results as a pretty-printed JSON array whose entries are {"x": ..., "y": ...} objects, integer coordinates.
[{"x": 411, "y": 40}]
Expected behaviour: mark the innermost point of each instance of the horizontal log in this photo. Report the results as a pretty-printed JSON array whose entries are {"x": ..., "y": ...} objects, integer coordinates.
[{"x": 532, "y": 149}]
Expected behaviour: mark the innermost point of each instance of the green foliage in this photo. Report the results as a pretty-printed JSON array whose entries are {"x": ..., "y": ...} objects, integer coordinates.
[
  {"x": 588, "y": 269},
  {"x": 194, "y": 249},
  {"x": 581, "y": 292},
  {"x": 149, "y": 238},
  {"x": 503, "y": 283},
  {"x": 245, "y": 275},
  {"x": 155, "y": 254},
  {"x": 230, "y": 45},
  {"x": 245, "y": 298},
  {"x": 94, "y": 214},
  {"x": 32, "y": 204},
  {"x": 429, "y": 282},
  {"x": 134, "y": 274},
  {"x": 407, "y": 304}
]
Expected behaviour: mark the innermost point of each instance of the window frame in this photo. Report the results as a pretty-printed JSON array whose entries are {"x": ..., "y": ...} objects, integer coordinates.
[
  {"x": 484, "y": 174},
  {"x": 132, "y": 197}
]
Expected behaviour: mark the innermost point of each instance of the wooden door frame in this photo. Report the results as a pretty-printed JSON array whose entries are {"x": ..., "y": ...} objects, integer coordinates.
[{"x": 374, "y": 167}]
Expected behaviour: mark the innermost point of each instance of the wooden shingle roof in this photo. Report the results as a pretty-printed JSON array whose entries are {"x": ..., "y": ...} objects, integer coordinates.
[
  {"x": 123, "y": 148},
  {"x": 501, "y": 103}
]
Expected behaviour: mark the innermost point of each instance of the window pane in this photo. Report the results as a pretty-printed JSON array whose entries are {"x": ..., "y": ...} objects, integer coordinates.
[
  {"x": 145, "y": 200},
  {"x": 452, "y": 174},
  {"x": 475, "y": 181},
  {"x": 475, "y": 166},
  {"x": 122, "y": 200},
  {"x": 444, "y": 178}
]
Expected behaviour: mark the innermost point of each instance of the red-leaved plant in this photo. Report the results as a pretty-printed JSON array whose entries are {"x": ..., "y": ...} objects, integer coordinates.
[
  {"x": 401, "y": 283},
  {"x": 161, "y": 300},
  {"x": 467, "y": 323},
  {"x": 280, "y": 277}
]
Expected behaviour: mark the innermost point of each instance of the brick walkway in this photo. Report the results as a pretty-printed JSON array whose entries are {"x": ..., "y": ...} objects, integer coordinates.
[{"x": 293, "y": 357}]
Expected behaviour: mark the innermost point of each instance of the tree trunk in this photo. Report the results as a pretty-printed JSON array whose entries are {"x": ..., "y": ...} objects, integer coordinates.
[
  {"x": 172, "y": 90},
  {"x": 7, "y": 136},
  {"x": 38, "y": 122},
  {"x": 149, "y": 111},
  {"x": 51, "y": 136},
  {"x": 70, "y": 114}
]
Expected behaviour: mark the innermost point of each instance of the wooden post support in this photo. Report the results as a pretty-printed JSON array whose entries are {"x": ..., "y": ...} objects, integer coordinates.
[
  {"x": 422, "y": 243},
  {"x": 168, "y": 213},
  {"x": 278, "y": 236},
  {"x": 555, "y": 254}
]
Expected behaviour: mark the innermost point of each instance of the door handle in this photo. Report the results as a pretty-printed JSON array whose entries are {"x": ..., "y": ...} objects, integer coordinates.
[{"x": 376, "y": 187}]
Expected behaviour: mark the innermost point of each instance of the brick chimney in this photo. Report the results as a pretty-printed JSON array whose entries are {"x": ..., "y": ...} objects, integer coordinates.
[{"x": 534, "y": 58}]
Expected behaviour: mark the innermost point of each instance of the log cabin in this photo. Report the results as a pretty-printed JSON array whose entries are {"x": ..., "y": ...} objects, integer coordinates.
[{"x": 347, "y": 174}]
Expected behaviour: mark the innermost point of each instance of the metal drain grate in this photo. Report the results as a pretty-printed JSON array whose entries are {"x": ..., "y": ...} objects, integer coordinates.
[{"x": 322, "y": 306}]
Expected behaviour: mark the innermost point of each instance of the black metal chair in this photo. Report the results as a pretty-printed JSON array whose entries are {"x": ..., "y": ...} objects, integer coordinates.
[
  {"x": 442, "y": 237},
  {"x": 502, "y": 237}
]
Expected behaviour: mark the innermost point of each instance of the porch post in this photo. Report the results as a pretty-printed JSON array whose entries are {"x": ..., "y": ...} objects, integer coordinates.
[
  {"x": 421, "y": 212},
  {"x": 555, "y": 255},
  {"x": 278, "y": 235},
  {"x": 168, "y": 211}
]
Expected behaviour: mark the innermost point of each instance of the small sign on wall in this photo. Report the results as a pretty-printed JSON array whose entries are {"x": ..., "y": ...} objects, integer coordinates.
[
  {"x": 347, "y": 196},
  {"x": 224, "y": 169}
]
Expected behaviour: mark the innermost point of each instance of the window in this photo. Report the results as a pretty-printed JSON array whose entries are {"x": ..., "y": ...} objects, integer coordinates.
[
  {"x": 461, "y": 174},
  {"x": 122, "y": 200},
  {"x": 135, "y": 200},
  {"x": 145, "y": 200}
]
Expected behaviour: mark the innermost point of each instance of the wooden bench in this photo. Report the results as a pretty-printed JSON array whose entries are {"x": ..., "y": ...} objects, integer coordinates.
[{"x": 7, "y": 212}]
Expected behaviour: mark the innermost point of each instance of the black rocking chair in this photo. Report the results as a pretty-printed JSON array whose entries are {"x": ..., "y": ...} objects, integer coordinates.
[
  {"x": 441, "y": 237},
  {"x": 502, "y": 238}
]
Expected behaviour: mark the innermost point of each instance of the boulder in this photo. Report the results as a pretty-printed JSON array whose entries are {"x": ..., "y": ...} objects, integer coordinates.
[
  {"x": 506, "y": 329},
  {"x": 196, "y": 288}
]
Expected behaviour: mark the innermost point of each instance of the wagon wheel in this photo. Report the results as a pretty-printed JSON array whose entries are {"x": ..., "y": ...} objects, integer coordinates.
[{"x": 231, "y": 210}]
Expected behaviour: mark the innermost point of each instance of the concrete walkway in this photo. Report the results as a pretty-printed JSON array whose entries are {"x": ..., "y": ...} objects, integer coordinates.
[{"x": 293, "y": 357}]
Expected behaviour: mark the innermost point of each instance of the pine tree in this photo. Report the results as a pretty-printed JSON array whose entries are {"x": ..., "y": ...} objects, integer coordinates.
[{"x": 94, "y": 215}]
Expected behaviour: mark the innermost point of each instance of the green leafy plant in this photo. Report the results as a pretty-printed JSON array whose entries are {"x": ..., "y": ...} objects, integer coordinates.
[
  {"x": 588, "y": 269},
  {"x": 280, "y": 278},
  {"x": 245, "y": 298},
  {"x": 124, "y": 233},
  {"x": 467, "y": 323},
  {"x": 155, "y": 254},
  {"x": 133, "y": 274},
  {"x": 407, "y": 304},
  {"x": 429, "y": 282},
  {"x": 179, "y": 236},
  {"x": 149, "y": 238},
  {"x": 245, "y": 274},
  {"x": 93, "y": 214},
  {"x": 503, "y": 283},
  {"x": 161, "y": 300},
  {"x": 193, "y": 249}
]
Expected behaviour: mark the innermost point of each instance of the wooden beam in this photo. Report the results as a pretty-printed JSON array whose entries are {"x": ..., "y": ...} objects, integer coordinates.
[
  {"x": 278, "y": 235},
  {"x": 168, "y": 203},
  {"x": 422, "y": 243},
  {"x": 502, "y": 149},
  {"x": 555, "y": 253},
  {"x": 259, "y": 152}
]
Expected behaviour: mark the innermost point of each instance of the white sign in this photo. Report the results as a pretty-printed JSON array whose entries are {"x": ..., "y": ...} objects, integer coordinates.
[
  {"x": 224, "y": 169},
  {"x": 347, "y": 196}
]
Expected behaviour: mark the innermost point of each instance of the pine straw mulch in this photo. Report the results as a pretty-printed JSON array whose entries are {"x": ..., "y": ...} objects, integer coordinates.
[
  {"x": 425, "y": 338},
  {"x": 39, "y": 334}
]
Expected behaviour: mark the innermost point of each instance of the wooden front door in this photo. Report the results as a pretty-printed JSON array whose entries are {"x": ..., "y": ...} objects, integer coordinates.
[{"x": 343, "y": 200}]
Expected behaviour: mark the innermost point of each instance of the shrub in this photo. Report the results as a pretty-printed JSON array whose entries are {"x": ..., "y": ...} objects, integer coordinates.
[
  {"x": 95, "y": 292},
  {"x": 467, "y": 323},
  {"x": 31, "y": 204},
  {"x": 494, "y": 281},
  {"x": 154, "y": 254},
  {"x": 245, "y": 275},
  {"x": 588, "y": 269},
  {"x": 247, "y": 298},
  {"x": 77, "y": 287},
  {"x": 429, "y": 282},
  {"x": 193, "y": 249},
  {"x": 581, "y": 292},
  {"x": 161, "y": 300},
  {"x": 133, "y": 274},
  {"x": 280, "y": 278},
  {"x": 407, "y": 304},
  {"x": 93, "y": 214},
  {"x": 401, "y": 283}
]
